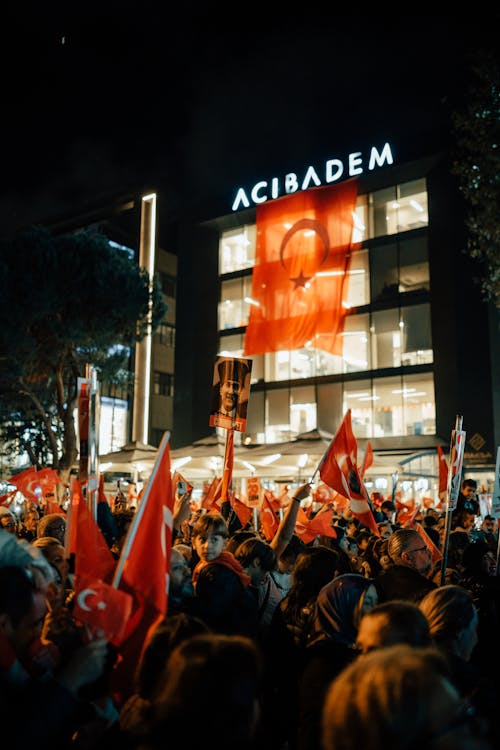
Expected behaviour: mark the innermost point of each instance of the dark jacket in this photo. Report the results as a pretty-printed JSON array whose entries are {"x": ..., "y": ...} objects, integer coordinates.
[
  {"x": 224, "y": 603},
  {"x": 402, "y": 582}
]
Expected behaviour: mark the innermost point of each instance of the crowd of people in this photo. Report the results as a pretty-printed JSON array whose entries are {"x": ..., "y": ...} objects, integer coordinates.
[{"x": 353, "y": 640}]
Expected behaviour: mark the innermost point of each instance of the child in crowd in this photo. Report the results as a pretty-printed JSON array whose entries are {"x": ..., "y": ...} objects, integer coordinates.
[{"x": 223, "y": 599}]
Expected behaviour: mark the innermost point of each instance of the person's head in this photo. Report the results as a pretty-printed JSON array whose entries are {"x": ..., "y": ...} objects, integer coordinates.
[
  {"x": 232, "y": 376},
  {"x": 52, "y": 524},
  {"x": 363, "y": 538},
  {"x": 166, "y": 636},
  {"x": 469, "y": 488},
  {"x": 8, "y": 521},
  {"x": 388, "y": 508},
  {"x": 210, "y": 689},
  {"x": 478, "y": 560},
  {"x": 398, "y": 698},
  {"x": 179, "y": 574},
  {"x": 209, "y": 536},
  {"x": 55, "y": 553},
  {"x": 453, "y": 619},
  {"x": 488, "y": 524},
  {"x": 465, "y": 519},
  {"x": 22, "y": 609},
  {"x": 30, "y": 519},
  {"x": 257, "y": 558},
  {"x": 406, "y": 547},
  {"x": 315, "y": 567},
  {"x": 393, "y": 622},
  {"x": 385, "y": 529},
  {"x": 339, "y": 607},
  {"x": 290, "y": 555},
  {"x": 238, "y": 537}
]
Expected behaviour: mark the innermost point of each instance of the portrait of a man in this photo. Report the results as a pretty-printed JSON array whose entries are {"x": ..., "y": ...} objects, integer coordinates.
[{"x": 231, "y": 390}]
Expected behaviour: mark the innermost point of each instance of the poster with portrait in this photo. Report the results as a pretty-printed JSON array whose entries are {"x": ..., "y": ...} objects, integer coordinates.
[{"x": 230, "y": 393}]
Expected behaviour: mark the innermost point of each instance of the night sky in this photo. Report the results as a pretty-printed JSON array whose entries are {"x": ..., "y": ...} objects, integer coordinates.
[{"x": 105, "y": 100}]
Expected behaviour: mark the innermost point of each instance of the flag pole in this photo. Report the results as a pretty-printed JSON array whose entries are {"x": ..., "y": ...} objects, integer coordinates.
[{"x": 454, "y": 473}]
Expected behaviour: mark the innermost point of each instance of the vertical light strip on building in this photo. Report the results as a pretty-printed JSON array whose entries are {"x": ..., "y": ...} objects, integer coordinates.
[{"x": 142, "y": 390}]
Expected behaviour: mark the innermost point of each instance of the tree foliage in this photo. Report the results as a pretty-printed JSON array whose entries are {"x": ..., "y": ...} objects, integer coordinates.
[
  {"x": 66, "y": 301},
  {"x": 476, "y": 164}
]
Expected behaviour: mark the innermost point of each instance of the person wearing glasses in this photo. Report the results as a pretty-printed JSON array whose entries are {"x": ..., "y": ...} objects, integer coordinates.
[
  {"x": 411, "y": 565},
  {"x": 8, "y": 520}
]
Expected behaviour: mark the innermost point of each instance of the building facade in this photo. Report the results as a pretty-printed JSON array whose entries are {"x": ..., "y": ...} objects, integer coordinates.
[{"x": 419, "y": 348}]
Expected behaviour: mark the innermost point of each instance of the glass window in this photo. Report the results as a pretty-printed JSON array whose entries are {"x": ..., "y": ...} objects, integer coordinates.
[
  {"x": 278, "y": 416},
  {"x": 356, "y": 336},
  {"x": 416, "y": 339},
  {"x": 302, "y": 409},
  {"x": 413, "y": 265},
  {"x": 237, "y": 249},
  {"x": 330, "y": 413},
  {"x": 387, "y": 407},
  {"x": 419, "y": 404},
  {"x": 399, "y": 208},
  {"x": 384, "y": 272},
  {"x": 163, "y": 384},
  {"x": 358, "y": 398},
  {"x": 165, "y": 334},
  {"x": 255, "y": 432},
  {"x": 113, "y": 421},
  {"x": 386, "y": 339},
  {"x": 359, "y": 280},
  {"x": 234, "y": 302}
]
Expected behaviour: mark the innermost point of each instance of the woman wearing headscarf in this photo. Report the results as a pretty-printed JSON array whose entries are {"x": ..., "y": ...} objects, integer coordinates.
[{"x": 330, "y": 646}]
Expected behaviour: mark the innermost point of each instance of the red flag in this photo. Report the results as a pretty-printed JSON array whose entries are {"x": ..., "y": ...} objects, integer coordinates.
[
  {"x": 338, "y": 469},
  {"x": 143, "y": 566},
  {"x": 299, "y": 281},
  {"x": 105, "y": 609},
  {"x": 243, "y": 512},
  {"x": 93, "y": 557},
  {"x": 321, "y": 523},
  {"x": 268, "y": 519},
  {"x": 443, "y": 476},
  {"x": 368, "y": 459},
  {"x": 211, "y": 500},
  {"x": 435, "y": 552},
  {"x": 105, "y": 613},
  {"x": 27, "y": 482},
  {"x": 227, "y": 474},
  {"x": 323, "y": 494}
]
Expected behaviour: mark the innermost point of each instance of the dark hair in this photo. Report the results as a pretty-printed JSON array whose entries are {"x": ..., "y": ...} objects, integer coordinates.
[
  {"x": 49, "y": 524},
  {"x": 404, "y": 622},
  {"x": 470, "y": 483},
  {"x": 214, "y": 523},
  {"x": 253, "y": 548},
  {"x": 238, "y": 537},
  {"x": 315, "y": 567},
  {"x": 168, "y": 634},
  {"x": 448, "y": 609}
]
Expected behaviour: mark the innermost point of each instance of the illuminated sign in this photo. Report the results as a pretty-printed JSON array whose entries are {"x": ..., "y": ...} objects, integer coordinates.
[{"x": 334, "y": 170}]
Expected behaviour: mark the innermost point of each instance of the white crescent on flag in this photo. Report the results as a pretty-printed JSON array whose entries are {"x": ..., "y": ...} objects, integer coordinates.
[{"x": 82, "y": 596}]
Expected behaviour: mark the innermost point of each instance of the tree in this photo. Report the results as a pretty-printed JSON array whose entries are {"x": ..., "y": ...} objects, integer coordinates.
[
  {"x": 476, "y": 164},
  {"x": 66, "y": 301}
]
